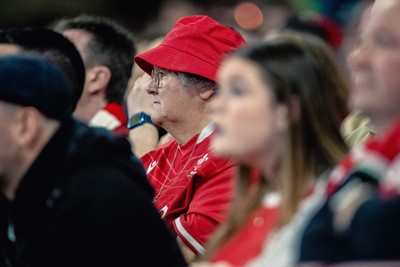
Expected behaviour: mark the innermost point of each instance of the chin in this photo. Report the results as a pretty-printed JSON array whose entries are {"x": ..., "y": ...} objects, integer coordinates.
[{"x": 220, "y": 151}]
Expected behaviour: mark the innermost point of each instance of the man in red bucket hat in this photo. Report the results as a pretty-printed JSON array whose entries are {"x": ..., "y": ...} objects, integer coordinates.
[{"x": 192, "y": 186}]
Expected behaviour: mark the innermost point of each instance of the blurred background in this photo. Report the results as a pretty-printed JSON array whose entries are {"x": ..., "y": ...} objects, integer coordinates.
[{"x": 144, "y": 17}]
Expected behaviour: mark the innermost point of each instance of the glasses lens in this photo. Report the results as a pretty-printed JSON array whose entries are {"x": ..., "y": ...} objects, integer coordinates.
[{"x": 156, "y": 77}]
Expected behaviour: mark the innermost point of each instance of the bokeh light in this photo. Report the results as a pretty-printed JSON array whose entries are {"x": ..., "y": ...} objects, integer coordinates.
[{"x": 248, "y": 16}]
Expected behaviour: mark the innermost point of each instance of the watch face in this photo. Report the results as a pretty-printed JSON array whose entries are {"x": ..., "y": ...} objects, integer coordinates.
[
  {"x": 138, "y": 119},
  {"x": 135, "y": 118}
]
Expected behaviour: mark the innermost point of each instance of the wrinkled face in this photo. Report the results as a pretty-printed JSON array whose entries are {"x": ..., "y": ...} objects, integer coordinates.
[
  {"x": 248, "y": 120},
  {"x": 375, "y": 64},
  {"x": 172, "y": 102}
]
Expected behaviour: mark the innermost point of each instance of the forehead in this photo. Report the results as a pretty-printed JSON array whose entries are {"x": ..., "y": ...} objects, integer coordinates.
[{"x": 385, "y": 13}]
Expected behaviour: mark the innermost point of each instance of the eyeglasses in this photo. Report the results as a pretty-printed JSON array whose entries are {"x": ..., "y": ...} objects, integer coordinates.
[{"x": 156, "y": 76}]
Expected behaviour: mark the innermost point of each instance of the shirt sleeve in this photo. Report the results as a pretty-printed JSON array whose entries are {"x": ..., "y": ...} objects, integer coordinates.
[{"x": 207, "y": 209}]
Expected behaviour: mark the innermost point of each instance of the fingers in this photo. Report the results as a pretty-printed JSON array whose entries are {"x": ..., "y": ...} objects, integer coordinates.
[{"x": 138, "y": 99}]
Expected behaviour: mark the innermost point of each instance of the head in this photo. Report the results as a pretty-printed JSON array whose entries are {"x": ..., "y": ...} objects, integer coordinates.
[
  {"x": 375, "y": 63},
  {"x": 274, "y": 94},
  {"x": 50, "y": 45},
  {"x": 274, "y": 112},
  {"x": 185, "y": 63},
  {"x": 34, "y": 100},
  {"x": 107, "y": 49}
]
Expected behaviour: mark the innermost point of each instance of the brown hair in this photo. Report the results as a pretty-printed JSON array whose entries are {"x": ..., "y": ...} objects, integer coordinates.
[{"x": 314, "y": 145}]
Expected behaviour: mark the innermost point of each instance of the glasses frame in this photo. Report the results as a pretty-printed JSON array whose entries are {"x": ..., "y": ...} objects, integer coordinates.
[{"x": 156, "y": 76}]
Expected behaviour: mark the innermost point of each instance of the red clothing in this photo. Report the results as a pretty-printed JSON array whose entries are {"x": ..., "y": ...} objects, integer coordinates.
[
  {"x": 193, "y": 187},
  {"x": 248, "y": 242},
  {"x": 358, "y": 221},
  {"x": 112, "y": 117}
]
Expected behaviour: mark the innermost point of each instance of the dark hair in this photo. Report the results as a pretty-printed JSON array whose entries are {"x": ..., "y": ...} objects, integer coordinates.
[
  {"x": 112, "y": 45},
  {"x": 52, "y": 46},
  {"x": 336, "y": 84}
]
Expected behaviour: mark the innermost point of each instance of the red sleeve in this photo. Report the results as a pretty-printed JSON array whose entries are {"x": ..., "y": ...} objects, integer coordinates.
[{"x": 208, "y": 206}]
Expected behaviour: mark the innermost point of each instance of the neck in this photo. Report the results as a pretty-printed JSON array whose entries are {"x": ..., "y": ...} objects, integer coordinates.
[
  {"x": 86, "y": 109},
  {"x": 184, "y": 131}
]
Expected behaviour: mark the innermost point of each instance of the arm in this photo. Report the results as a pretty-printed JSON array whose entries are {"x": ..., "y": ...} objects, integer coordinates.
[{"x": 208, "y": 206}]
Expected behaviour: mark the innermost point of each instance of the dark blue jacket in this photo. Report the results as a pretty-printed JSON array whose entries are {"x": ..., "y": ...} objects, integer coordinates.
[{"x": 86, "y": 201}]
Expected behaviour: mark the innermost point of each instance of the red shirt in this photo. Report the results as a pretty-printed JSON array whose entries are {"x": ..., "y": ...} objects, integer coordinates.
[
  {"x": 249, "y": 241},
  {"x": 193, "y": 187},
  {"x": 112, "y": 117}
]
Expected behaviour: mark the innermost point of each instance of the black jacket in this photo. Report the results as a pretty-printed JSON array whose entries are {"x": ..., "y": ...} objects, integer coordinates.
[{"x": 86, "y": 201}]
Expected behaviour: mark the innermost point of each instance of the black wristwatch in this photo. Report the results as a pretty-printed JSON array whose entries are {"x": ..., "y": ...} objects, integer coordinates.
[{"x": 138, "y": 119}]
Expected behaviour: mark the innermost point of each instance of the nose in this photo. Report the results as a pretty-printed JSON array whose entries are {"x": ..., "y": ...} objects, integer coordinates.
[{"x": 152, "y": 88}]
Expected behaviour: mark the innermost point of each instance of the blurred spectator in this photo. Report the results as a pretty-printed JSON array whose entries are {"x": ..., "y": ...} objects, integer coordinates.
[
  {"x": 78, "y": 195},
  {"x": 107, "y": 49},
  {"x": 51, "y": 45},
  {"x": 356, "y": 128},
  {"x": 357, "y": 223},
  {"x": 283, "y": 83}
]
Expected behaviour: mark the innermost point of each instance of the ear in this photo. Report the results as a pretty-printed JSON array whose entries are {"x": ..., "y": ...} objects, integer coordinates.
[
  {"x": 27, "y": 126},
  {"x": 98, "y": 79},
  {"x": 207, "y": 93}
]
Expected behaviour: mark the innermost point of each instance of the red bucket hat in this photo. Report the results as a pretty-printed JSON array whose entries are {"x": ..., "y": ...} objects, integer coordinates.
[{"x": 195, "y": 45}]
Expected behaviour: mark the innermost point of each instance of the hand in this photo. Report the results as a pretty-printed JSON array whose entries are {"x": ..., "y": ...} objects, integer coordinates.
[{"x": 138, "y": 99}]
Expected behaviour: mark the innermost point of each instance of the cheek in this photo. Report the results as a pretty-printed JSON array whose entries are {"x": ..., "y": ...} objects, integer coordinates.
[
  {"x": 388, "y": 75},
  {"x": 245, "y": 135}
]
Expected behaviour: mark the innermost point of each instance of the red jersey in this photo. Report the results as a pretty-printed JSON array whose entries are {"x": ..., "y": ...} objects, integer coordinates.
[
  {"x": 193, "y": 187},
  {"x": 249, "y": 241},
  {"x": 112, "y": 117}
]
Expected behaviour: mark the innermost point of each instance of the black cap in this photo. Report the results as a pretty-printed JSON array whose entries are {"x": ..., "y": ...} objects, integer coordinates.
[{"x": 33, "y": 81}]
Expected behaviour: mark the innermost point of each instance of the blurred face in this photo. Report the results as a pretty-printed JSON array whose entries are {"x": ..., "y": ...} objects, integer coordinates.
[
  {"x": 375, "y": 64},
  {"x": 171, "y": 100},
  {"x": 248, "y": 120}
]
